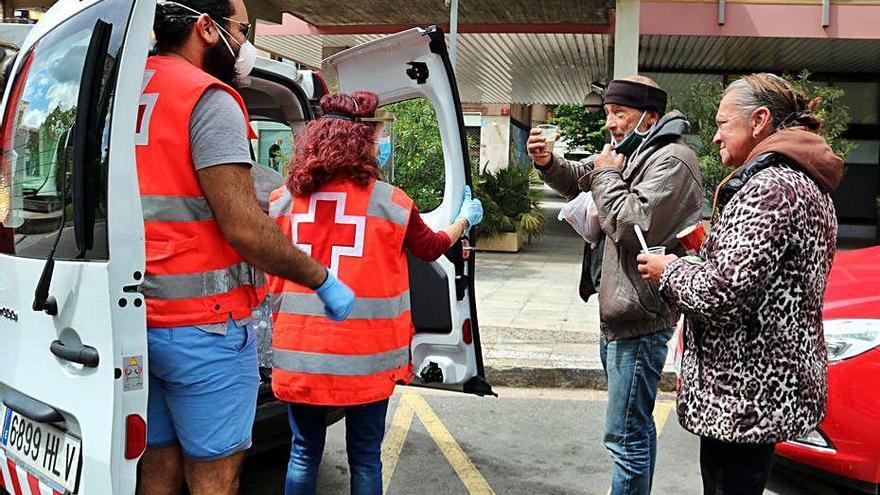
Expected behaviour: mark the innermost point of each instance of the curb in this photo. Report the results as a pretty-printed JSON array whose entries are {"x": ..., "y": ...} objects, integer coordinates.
[
  {"x": 539, "y": 377},
  {"x": 544, "y": 358}
]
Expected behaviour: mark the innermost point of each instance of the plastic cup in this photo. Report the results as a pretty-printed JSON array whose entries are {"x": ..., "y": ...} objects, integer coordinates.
[
  {"x": 692, "y": 237},
  {"x": 658, "y": 250},
  {"x": 550, "y": 133}
]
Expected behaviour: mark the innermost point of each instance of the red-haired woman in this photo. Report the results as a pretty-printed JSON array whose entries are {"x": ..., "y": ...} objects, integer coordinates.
[{"x": 337, "y": 207}]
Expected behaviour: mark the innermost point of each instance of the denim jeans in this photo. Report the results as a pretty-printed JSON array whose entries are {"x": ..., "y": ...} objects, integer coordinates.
[
  {"x": 364, "y": 430},
  {"x": 633, "y": 368}
]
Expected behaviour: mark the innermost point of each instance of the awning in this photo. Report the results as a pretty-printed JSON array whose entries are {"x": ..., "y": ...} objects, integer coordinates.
[
  {"x": 417, "y": 12},
  {"x": 493, "y": 67},
  {"x": 752, "y": 54}
]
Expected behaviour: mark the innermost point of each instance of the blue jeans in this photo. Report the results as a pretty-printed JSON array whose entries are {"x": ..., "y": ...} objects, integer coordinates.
[
  {"x": 633, "y": 368},
  {"x": 364, "y": 430}
]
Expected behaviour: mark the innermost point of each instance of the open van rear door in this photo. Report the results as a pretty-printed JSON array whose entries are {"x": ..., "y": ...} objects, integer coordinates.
[
  {"x": 410, "y": 65},
  {"x": 73, "y": 388}
]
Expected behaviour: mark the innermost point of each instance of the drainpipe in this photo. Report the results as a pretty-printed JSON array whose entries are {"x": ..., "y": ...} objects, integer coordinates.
[
  {"x": 826, "y": 13},
  {"x": 721, "y": 9},
  {"x": 453, "y": 30},
  {"x": 8, "y": 10}
]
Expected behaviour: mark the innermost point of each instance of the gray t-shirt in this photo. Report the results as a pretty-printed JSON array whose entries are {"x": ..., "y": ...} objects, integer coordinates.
[
  {"x": 217, "y": 132},
  {"x": 217, "y": 136}
]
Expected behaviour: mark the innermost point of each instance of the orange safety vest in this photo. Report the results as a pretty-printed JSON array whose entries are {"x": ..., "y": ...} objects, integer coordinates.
[
  {"x": 358, "y": 232},
  {"x": 193, "y": 275}
]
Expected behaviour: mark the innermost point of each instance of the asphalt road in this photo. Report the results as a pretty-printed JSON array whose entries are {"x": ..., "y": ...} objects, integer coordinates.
[
  {"x": 527, "y": 441},
  {"x": 524, "y": 442}
]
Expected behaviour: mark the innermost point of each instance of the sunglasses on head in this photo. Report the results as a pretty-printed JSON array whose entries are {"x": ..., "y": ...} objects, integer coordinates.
[{"x": 244, "y": 27}]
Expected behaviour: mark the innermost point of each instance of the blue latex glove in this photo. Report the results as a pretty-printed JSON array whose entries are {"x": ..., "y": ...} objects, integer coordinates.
[
  {"x": 338, "y": 299},
  {"x": 471, "y": 208}
]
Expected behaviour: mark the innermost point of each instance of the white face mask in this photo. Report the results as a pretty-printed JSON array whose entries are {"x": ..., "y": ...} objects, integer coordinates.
[{"x": 247, "y": 56}]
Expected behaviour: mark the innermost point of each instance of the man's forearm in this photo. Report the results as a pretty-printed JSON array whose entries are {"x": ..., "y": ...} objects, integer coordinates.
[
  {"x": 229, "y": 189},
  {"x": 269, "y": 250},
  {"x": 563, "y": 175}
]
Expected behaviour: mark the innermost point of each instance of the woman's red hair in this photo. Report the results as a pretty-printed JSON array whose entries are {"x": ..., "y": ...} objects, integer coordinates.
[{"x": 331, "y": 147}]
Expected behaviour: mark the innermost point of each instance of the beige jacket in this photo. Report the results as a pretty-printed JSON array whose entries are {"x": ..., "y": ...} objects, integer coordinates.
[{"x": 659, "y": 189}]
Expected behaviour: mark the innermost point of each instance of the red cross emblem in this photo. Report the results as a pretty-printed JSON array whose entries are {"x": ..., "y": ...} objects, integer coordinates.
[{"x": 326, "y": 233}]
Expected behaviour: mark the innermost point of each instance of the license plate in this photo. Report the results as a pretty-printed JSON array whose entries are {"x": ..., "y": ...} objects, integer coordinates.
[{"x": 41, "y": 448}]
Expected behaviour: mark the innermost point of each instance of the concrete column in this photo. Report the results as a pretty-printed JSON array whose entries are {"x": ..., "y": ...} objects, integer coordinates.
[
  {"x": 538, "y": 115},
  {"x": 626, "y": 38},
  {"x": 495, "y": 137},
  {"x": 495, "y": 142}
]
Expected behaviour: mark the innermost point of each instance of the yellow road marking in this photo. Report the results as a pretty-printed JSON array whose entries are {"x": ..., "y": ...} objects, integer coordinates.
[
  {"x": 412, "y": 404},
  {"x": 467, "y": 472},
  {"x": 395, "y": 438},
  {"x": 661, "y": 413}
]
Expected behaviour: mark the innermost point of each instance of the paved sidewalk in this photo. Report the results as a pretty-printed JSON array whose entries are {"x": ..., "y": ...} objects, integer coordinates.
[{"x": 535, "y": 329}]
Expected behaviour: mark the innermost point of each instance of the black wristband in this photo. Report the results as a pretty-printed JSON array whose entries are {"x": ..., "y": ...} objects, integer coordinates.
[{"x": 544, "y": 168}]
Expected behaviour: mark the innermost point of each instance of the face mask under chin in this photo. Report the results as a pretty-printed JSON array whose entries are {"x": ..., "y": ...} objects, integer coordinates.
[{"x": 629, "y": 144}]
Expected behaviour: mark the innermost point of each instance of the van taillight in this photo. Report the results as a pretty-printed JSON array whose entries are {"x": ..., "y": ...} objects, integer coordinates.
[
  {"x": 7, "y": 133},
  {"x": 7, "y": 240},
  {"x": 467, "y": 335},
  {"x": 135, "y": 436}
]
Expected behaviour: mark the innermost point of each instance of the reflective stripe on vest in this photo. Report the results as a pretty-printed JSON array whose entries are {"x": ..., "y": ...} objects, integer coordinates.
[
  {"x": 203, "y": 284},
  {"x": 176, "y": 209},
  {"x": 370, "y": 308},
  {"x": 339, "y": 364},
  {"x": 281, "y": 205},
  {"x": 380, "y": 204}
]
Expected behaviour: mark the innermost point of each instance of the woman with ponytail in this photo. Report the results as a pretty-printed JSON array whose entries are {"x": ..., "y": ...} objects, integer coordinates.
[{"x": 754, "y": 363}]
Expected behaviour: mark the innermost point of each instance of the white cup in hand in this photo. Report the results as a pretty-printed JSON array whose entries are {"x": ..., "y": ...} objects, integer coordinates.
[
  {"x": 537, "y": 146},
  {"x": 550, "y": 133}
]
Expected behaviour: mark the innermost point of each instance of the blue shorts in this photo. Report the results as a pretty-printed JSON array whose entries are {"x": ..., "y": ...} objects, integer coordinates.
[{"x": 203, "y": 390}]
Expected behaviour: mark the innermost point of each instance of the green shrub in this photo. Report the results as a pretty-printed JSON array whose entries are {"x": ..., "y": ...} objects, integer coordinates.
[
  {"x": 580, "y": 128},
  {"x": 509, "y": 204},
  {"x": 418, "y": 152}
]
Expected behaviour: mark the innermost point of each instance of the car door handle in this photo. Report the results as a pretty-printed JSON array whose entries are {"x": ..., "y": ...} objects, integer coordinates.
[
  {"x": 82, "y": 354},
  {"x": 31, "y": 408}
]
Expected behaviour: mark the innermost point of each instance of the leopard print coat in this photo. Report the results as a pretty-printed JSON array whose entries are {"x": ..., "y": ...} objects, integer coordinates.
[{"x": 754, "y": 363}]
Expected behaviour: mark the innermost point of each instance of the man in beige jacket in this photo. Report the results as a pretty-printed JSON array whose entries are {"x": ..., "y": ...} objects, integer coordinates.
[{"x": 647, "y": 177}]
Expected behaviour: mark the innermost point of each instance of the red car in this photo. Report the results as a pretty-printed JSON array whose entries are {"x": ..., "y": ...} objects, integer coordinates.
[{"x": 845, "y": 447}]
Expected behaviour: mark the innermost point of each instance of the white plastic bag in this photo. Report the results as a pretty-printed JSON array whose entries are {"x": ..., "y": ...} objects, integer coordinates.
[
  {"x": 678, "y": 351},
  {"x": 583, "y": 216}
]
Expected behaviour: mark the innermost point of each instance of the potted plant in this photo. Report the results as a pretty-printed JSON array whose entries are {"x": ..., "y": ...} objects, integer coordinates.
[{"x": 510, "y": 208}]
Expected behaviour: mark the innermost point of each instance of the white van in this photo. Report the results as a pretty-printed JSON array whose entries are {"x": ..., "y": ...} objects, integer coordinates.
[{"x": 73, "y": 353}]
